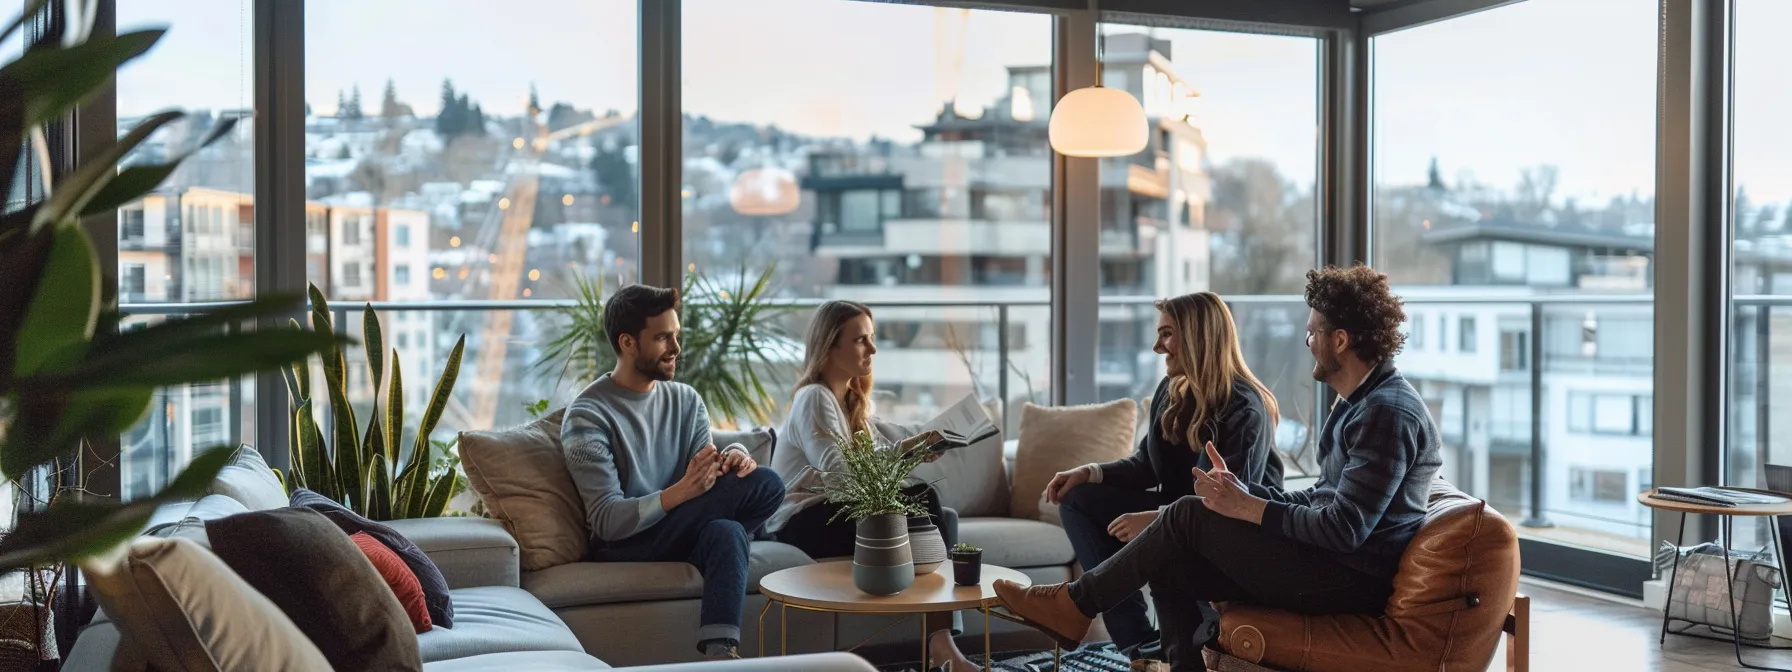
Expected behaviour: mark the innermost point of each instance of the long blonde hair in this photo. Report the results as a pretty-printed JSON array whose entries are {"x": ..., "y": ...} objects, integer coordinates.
[
  {"x": 1207, "y": 343},
  {"x": 824, "y": 330}
]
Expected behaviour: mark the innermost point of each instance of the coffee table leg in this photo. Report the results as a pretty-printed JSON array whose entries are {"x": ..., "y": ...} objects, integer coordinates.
[
  {"x": 768, "y": 607},
  {"x": 923, "y": 620},
  {"x": 987, "y": 654},
  {"x": 783, "y": 629}
]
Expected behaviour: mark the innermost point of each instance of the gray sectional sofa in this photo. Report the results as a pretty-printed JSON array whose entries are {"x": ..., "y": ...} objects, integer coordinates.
[
  {"x": 499, "y": 625},
  {"x": 657, "y": 603},
  {"x": 589, "y": 615}
]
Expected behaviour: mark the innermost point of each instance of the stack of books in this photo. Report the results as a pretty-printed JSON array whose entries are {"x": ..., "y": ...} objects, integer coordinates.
[{"x": 1720, "y": 497}]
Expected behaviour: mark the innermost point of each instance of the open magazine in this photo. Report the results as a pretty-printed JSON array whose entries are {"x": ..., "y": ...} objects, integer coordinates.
[
  {"x": 1710, "y": 496},
  {"x": 964, "y": 424}
]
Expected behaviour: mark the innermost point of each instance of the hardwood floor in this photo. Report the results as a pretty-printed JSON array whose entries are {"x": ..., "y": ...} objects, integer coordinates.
[{"x": 1572, "y": 631}]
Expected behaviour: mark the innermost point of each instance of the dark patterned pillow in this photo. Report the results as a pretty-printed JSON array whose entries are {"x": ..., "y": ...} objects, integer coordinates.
[
  {"x": 308, "y": 568},
  {"x": 435, "y": 587}
]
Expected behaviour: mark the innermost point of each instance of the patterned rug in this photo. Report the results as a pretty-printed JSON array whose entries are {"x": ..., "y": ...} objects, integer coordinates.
[{"x": 1091, "y": 658}]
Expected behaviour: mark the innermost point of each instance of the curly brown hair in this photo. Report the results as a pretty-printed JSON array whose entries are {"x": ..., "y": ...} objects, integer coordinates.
[{"x": 1357, "y": 300}]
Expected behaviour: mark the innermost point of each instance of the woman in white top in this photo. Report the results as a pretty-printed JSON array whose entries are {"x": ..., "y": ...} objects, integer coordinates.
[{"x": 833, "y": 401}]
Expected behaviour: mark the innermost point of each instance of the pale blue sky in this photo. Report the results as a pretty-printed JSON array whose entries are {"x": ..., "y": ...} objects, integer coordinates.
[{"x": 1563, "y": 82}]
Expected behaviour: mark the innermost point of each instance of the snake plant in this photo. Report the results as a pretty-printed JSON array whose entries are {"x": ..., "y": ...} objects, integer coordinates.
[{"x": 364, "y": 468}]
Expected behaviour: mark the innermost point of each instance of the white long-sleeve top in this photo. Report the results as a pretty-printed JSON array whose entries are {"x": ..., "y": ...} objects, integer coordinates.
[{"x": 809, "y": 445}]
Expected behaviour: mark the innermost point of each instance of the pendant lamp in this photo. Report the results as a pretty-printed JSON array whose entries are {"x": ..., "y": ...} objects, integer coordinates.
[
  {"x": 1096, "y": 121},
  {"x": 769, "y": 191}
]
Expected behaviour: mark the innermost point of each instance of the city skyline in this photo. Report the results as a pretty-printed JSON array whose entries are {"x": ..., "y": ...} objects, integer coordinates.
[{"x": 1455, "y": 91}]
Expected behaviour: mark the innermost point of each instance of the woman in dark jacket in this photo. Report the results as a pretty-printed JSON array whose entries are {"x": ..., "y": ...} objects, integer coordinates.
[{"x": 1209, "y": 394}]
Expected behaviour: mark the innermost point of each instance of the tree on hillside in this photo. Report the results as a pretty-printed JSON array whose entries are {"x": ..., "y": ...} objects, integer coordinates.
[
  {"x": 450, "y": 120},
  {"x": 1262, "y": 224},
  {"x": 475, "y": 117},
  {"x": 563, "y": 115},
  {"x": 459, "y": 115},
  {"x": 390, "y": 107},
  {"x": 1536, "y": 191},
  {"x": 1403, "y": 215},
  {"x": 350, "y": 108},
  {"x": 615, "y": 176}
]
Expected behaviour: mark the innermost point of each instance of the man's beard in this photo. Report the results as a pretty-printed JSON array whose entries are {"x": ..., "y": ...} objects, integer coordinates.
[
  {"x": 1325, "y": 366},
  {"x": 655, "y": 369}
]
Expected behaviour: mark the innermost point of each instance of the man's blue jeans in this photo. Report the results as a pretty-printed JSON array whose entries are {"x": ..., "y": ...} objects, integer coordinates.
[{"x": 711, "y": 532}]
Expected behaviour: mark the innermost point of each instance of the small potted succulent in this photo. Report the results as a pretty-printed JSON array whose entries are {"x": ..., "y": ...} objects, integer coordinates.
[{"x": 967, "y": 565}]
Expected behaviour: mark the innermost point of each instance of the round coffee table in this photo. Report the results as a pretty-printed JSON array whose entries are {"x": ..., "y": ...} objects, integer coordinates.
[
  {"x": 1726, "y": 514},
  {"x": 827, "y": 587}
]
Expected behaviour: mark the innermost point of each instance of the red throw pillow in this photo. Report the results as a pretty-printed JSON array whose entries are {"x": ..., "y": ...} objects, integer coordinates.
[{"x": 398, "y": 577}]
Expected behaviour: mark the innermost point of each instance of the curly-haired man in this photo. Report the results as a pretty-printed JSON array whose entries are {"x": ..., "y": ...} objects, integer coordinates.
[{"x": 1331, "y": 548}]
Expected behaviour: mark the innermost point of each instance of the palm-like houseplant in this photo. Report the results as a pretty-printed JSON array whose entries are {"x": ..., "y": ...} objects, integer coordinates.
[
  {"x": 727, "y": 334},
  {"x": 366, "y": 470},
  {"x": 68, "y": 373}
]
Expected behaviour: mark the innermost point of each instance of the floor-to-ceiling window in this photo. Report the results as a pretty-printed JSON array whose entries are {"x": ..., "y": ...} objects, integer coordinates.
[
  {"x": 886, "y": 154},
  {"x": 1761, "y": 253},
  {"x": 1514, "y": 155},
  {"x": 192, "y": 240},
  {"x": 468, "y": 150},
  {"x": 1221, "y": 200}
]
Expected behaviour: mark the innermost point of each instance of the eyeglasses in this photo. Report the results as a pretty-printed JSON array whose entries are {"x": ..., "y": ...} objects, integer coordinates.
[{"x": 1311, "y": 333}]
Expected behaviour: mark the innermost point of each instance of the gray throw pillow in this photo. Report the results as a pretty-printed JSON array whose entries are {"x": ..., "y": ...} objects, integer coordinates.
[{"x": 248, "y": 479}]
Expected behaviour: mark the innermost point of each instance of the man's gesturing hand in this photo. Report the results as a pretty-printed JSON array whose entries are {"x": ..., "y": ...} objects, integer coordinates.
[
  {"x": 1222, "y": 492},
  {"x": 699, "y": 476}
]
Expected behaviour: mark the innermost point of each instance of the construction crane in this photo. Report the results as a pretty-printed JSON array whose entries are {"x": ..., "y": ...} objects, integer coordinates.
[{"x": 511, "y": 249}]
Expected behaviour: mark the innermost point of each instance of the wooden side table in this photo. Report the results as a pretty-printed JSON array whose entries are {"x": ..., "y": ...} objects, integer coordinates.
[
  {"x": 1728, "y": 515},
  {"x": 827, "y": 587}
]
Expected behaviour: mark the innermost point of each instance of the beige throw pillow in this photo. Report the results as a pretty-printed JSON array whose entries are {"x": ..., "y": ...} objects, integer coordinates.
[
  {"x": 521, "y": 477},
  {"x": 1055, "y": 439},
  {"x": 180, "y": 609}
]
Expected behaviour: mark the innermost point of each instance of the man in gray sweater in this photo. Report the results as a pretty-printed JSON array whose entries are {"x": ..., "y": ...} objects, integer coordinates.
[
  {"x": 655, "y": 488},
  {"x": 1331, "y": 548}
]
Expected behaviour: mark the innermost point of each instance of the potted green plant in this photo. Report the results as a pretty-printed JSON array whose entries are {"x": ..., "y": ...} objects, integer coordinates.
[
  {"x": 73, "y": 376},
  {"x": 366, "y": 468},
  {"x": 729, "y": 333},
  {"x": 869, "y": 492},
  {"x": 967, "y": 565},
  {"x": 69, "y": 370}
]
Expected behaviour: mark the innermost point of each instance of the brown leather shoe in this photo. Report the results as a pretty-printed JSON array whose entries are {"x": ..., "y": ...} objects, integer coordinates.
[{"x": 1047, "y": 608}]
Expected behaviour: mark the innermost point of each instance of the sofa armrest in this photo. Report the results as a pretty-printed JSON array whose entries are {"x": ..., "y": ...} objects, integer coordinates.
[
  {"x": 469, "y": 551},
  {"x": 814, "y": 662}
]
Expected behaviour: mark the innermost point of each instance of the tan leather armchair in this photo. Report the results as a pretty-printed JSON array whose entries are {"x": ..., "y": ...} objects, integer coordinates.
[{"x": 1455, "y": 595}]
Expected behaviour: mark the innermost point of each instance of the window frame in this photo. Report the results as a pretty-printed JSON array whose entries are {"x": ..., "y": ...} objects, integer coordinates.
[{"x": 1689, "y": 290}]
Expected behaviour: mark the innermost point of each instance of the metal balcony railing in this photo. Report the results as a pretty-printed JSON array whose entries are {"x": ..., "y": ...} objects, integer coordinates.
[{"x": 1543, "y": 361}]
